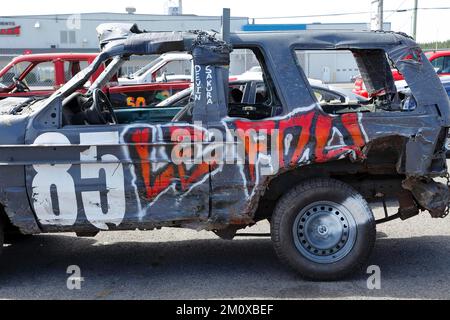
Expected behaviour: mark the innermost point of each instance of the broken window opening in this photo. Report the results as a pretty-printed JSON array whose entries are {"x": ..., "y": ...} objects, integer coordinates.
[
  {"x": 334, "y": 70},
  {"x": 252, "y": 93}
]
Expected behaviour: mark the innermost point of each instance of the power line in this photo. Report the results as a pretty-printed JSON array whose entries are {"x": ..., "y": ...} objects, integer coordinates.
[
  {"x": 396, "y": 10},
  {"x": 349, "y": 13}
]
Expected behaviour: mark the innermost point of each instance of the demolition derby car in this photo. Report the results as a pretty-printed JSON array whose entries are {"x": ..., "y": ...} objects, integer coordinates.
[
  {"x": 40, "y": 75},
  {"x": 69, "y": 165}
]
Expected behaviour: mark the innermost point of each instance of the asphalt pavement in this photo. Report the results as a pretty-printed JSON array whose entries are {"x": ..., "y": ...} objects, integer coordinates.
[{"x": 413, "y": 256}]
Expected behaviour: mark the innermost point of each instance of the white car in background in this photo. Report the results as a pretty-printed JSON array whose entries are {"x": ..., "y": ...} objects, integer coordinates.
[
  {"x": 159, "y": 70},
  {"x": 256, "y": 73}
]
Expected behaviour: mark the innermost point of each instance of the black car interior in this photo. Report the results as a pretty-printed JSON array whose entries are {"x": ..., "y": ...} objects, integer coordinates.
[{"x": 95, "y": 108}]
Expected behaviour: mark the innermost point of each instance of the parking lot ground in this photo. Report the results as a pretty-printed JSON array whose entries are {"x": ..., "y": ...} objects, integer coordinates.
[{"x": 414, "y": 257}]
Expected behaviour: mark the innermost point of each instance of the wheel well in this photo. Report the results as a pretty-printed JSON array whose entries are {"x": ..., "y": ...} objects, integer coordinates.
[
  {"x": 280, "y": 185},
  {"x": 376, "y": 174}
]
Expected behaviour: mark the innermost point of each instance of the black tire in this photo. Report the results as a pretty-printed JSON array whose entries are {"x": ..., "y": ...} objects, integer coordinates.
[
  {"x": 12, "y": 235},
  {"x": 342, "y": 220},
  {"x": 13, "y": 238}
]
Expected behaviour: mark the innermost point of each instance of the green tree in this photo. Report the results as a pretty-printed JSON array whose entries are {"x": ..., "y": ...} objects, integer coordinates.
[{"x": 435, "y": 45}]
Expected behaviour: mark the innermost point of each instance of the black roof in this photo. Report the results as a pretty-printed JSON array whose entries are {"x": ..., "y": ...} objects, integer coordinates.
[
  {"x": 128, "y": 39},
  {"x": 316, "y": 39}
]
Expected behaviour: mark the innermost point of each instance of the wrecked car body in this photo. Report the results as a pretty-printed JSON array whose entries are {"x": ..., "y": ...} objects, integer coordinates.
[{"x": 308, "y": 168}]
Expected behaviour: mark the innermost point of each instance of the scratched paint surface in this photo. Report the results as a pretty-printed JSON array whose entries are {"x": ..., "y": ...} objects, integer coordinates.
[
  {"x": 156, "y": 188},
  {"x": 301, "y": 138}
]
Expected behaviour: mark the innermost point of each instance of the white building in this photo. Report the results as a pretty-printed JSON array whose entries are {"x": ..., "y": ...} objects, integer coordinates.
[
  {"x": 77, "y": 33},
  {"x": 328, "y": 66}
]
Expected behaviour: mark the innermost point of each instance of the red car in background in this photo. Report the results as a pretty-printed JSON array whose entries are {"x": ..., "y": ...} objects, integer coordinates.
[
  {"x": 36, "y": 75},
  {"x": 439, "y": 59},
  {"x": 41, "y": 74}
]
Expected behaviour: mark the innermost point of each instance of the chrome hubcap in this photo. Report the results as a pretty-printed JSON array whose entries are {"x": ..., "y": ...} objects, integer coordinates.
[{"x": 324, "y": 232}]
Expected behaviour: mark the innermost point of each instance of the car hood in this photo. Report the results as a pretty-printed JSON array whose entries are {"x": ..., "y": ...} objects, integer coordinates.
[
  {"x": 14, "y": 118},
  {"x": 17, "y": 106}
]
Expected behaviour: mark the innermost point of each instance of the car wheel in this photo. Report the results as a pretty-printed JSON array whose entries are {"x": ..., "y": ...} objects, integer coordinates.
[{"x": 323, "y": 229}]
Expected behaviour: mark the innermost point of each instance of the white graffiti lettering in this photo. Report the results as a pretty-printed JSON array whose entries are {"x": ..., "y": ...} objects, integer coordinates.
[{"x": 198, "y": 83}]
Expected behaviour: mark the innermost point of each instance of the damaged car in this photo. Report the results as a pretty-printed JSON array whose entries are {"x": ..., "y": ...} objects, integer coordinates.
[{"x": 68, "y": 164}]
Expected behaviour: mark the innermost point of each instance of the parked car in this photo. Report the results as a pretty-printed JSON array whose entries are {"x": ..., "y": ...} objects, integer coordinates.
[
  {"x": 41, "y": 74},
  {"x": 37, "y": 75},
  {"x": 308, "y": 168},
  {"x": 440, "y": 60},
  {"x": 167, "y": 67},
  {"x": 257, "y": 73},
  {"x": 446, "y": 83}
]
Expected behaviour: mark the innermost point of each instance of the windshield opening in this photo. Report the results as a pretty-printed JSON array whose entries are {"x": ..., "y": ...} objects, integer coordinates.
[{"x": 16, "y": 70}]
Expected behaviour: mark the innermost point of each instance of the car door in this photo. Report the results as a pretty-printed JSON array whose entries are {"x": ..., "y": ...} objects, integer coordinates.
[
  {"x": 246, "y": 129},
  {"x": 108, "y": 177}
]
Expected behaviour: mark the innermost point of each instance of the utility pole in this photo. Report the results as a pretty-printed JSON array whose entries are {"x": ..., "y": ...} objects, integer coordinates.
[
  {"x": 380, "y": 15},
  {"x": 376, "y": 22},
  {"x": 414, "y": 31},
  {"x": 226, "y": 22}
]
